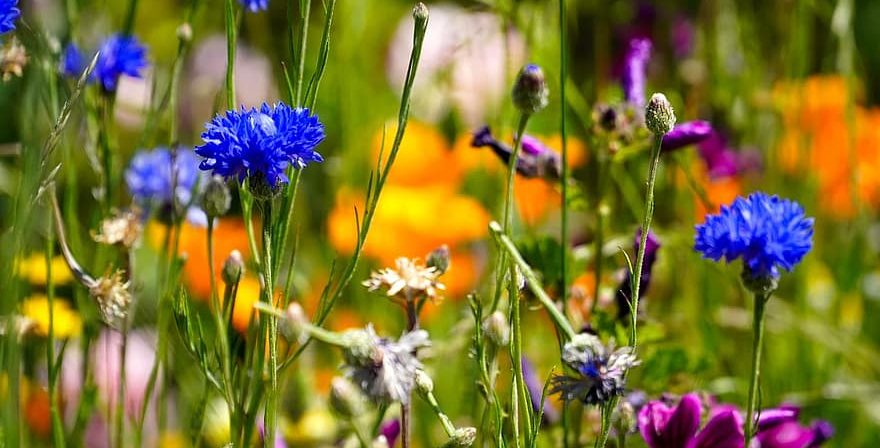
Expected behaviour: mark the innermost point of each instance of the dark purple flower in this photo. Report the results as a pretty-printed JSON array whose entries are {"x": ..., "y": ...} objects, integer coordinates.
[
  {"x": 391, "y": 431},
  {"x": 687, "y": 133},
  {"x": 536, "y": 392},
  {"x": 624, "y": 291},
  {"x": 635, "y": 67},
  {"x": 535, "y": 159},
  {"x": 663, "y": 426},
  {"x": 779, "y": 428}
]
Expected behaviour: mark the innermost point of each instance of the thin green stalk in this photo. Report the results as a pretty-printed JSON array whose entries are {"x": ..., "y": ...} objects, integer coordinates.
[
  {"x": 305, "y": 7},
  {"x": 220, "y": 322},
  {"x": 52, "y": 363},
  {"x": 646, "y": 229},
  {"x": 566, "y": 172},
  {"x": 519, "y": 391},
  {"x": 230, "y": 54},
  {"x": 270, "y": 417},
  {"x": 130, "y": 15},
  {"x": 323, "y": 54},
  {"x": 757, "y": 348}
]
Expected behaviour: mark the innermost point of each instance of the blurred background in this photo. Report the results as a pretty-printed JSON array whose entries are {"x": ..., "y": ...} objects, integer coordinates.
[{"x": 791, "y": 88}]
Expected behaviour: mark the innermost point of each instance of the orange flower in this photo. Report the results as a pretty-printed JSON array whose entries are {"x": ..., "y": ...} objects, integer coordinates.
[{"x": 424, "y": 158}]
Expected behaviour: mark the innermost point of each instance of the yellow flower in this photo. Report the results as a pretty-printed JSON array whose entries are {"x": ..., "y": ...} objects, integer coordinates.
[
  {"x": 33, "y": 269},
  {"x": 67, "y": 322}
]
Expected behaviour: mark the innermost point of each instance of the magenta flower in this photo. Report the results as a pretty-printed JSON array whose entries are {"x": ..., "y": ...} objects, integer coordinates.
[
  {"x": 635, "y": 67},
  {"x": 779, "y": 428},
  {"x": 687, "y": 133},
  {"x": 663, "y": 426}
]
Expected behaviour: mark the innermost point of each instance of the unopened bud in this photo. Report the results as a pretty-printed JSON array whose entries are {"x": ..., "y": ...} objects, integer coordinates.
[
  {"x": 345, "y": 398},
  {"x": 530, "y": 93},
  {"x": 233, "y": 268},
  {"x": 424, "y": 383},
  {"x": 439, "y": 259},
  {"x": 659, "y": 115},
  {"x": 496, "y": 328},
  {"x": 420, "y": 12},
  {"x": 294, "y": 322},
  {"x": 463, "y": 437},
  {"x": 216, "y": 199},
  {"x": 625, "y": 418},
  {"x": 185, "y": 32}
]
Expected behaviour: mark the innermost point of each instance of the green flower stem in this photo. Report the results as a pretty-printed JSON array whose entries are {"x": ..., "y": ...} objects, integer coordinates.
[
  {"x": 323, "y": 54},
  {"x": 313, "y": 331},
  {"x": 305, "y": 8},
  {"x": 130, "y": 15},
  {"x": 757, "y": 348},
  {"x": 646, "y": 229},
  {"x": 220, "y": 322},
  {"x": 566, "y": 171},
  {"x": 270, "y": 418},
  {"x": 230, "y": 54},
  {"x": 532, "y": 280},
  {"x": 447, "y": 424}
]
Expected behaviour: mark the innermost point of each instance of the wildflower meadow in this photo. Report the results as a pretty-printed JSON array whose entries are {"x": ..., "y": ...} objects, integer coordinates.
[{"x": 487, "y": 223}]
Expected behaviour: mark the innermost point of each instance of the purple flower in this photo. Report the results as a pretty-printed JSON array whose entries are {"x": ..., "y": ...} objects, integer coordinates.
[
  {"x": 255, "y": 5},
  {"x": 391, "y": 431},
  {"x": 663, "y": 426},
  {"x": 9, "y": 13},
  {"x": 536, "y": 391},
  {"x": 600, "y": 370},
  {"x": 767, "y": 232},
  {"x": 687, "y": 133},
  {"x": 119, "y": 55},
  {"x": 535, "y": 159},
  {"x": 635, "y": 68},
  {"x": 261, "y": 144},
  {"x": 779, "y": 428},
  {"x": 624, "y": 291}
]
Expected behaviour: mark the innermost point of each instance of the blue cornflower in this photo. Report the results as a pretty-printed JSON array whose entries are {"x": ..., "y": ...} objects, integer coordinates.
[
  {"x": 151, "y": 175},
  {"x": 120, "y": 55},
  {"x": 765, "y": 231},
  {"x": 9, "y": 13},
  {"x": 600, "y": 370},
  {"x": 255, "y": 5},
  {"x": 261, "y": 144}
]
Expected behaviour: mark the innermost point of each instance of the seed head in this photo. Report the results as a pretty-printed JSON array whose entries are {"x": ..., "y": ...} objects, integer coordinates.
[
  {"x": 123, "y": 228},
  {"x": 114, "y": 297}
]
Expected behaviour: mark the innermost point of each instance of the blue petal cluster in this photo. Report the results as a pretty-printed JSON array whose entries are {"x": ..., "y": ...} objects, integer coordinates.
[
  {"x": 255, "y": 5},
  {"x": 9, "y": 13},
  {"x": 766, "y": 232},
  {"x": 119, "y": 55},
  {"x": 261, "y": 143},
  {"x": 160, "y": 178}
]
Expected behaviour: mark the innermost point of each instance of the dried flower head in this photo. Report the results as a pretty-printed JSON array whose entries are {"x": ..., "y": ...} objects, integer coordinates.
[
  {"x": 122, "y": 228},
  {"x": 463, "y": 437},
  {"x": 384, "y": 370},
  {"x": 114, "y": 297},
  {"x": 13, "y": 59},
  {"x": 409, "y": 280},
  {"x": 601, "y": 370}
]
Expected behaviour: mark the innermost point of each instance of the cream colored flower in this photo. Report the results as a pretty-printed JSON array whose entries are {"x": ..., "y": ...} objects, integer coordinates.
[
  {"x": 408, "y": 280},
  {"x": 123, "y": 228},
  {"x": 13, "y": 59},
  {"x": 114, "y": 297}
]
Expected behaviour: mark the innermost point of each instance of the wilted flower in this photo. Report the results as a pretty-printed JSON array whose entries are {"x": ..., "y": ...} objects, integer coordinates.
[
  {"x": 113, "y": 296},
  {"x": 261, "y": 144},
  {"x": 384, "y": 370},
  {"x": 663, "y": 426},
  {"x": 255, "y": 5},
  {"x": 163, "y": 178},
  {"x": 623, "y": 296},
  {"x": 530, "y": 93},
  {"x": 123, "y": 228},
  {"x": 767, "y": 232},
  {"x": 119, "y": 55},
  {"x": 13, "y": 59},
  {"x": 688, "y": 133},
  {"x": 535, "y": 159},
  {"x": 638, "y": 54},
  {"x": 9, "y": 13},
  {"x": 409, "y": 280},
  {"x": 601, "y": 370}
]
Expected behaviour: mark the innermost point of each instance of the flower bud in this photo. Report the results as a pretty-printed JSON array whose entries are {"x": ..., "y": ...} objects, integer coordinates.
[
  {"x": 185, "y": 32},
  {"x": 233, "y": 268},
  {"x": 624, "y": 418},
  {"x": 294, "y": 322},
  {"x": 420, "y": 12},
  {"x": 424, "y": 383},
  {"x": 439, "y": 259},
  {"x": 659, "y": 115},
  {"x": 530, "y": 92},
  {"x": 216, "y": 199},
  {"x": 345, "y": 398},
  {"x": 463, "y": 437},
  {"x": 496, "y": 328}
]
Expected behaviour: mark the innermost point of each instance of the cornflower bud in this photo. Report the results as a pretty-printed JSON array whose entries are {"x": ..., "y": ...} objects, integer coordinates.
[
  {"x": 345, "y": 399},
  {"x": 216, "y": 199},
  {"x": 439, "y": 259},
  {"x": 496, "y": 328},
  {"x": 420, "y": 12},
  {"x": 233, "y": 268},
  {"x": 424, "y": 383},
  {"x": 659, "y": 115},
  {"x": 293, "y": 324},
  {"x": 530, "y": 94},
  {"x": 463, "y": 437}
]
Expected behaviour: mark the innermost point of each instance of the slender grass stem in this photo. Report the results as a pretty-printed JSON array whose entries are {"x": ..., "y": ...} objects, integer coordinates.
[
  {"x": 271, "y": 415},
  {"x": 757, "y": 349},
  {"x": 231, "y": 32},
  {"x": 305, "y": 12},
  {"x": 566, "y": 171}
]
